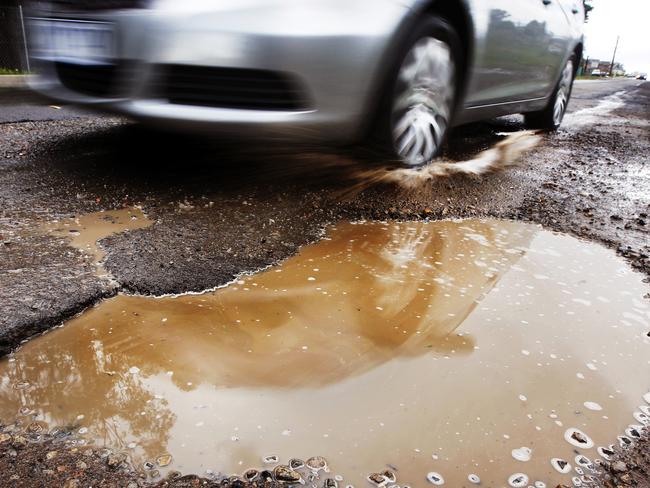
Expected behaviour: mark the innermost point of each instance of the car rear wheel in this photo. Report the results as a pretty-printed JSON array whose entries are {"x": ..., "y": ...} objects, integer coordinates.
[
  {"x": 551, "y": 117},
  {"x": 417, "y": 115}
]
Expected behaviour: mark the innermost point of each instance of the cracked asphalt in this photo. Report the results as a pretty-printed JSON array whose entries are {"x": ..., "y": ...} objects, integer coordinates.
[{"x": 221, "y": 208}]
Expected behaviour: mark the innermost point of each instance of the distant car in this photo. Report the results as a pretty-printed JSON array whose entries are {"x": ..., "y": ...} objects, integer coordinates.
[
  {"x": 598, "y": 73},
  {"x": 401, "y": 72},
  {"x": 642, "y": 77}
]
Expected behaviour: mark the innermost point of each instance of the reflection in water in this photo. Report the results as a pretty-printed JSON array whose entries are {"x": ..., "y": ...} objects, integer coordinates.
[{"x": 354, "y": 350}]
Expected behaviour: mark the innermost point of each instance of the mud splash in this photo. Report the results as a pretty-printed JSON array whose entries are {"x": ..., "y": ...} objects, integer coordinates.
[
  {"x": 85, "y": 231},
  {"x": 505, "y": 154},
  {"x": 448, "y": 351}
]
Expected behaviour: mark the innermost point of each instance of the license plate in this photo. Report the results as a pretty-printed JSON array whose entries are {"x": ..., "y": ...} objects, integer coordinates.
[{"x": 73, "y": 41}]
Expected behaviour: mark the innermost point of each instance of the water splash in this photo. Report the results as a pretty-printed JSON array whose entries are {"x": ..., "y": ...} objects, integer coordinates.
[{"x": 506, "y": 153}]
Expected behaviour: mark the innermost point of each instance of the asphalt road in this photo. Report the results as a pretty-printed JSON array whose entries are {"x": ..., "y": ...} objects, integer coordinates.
[{"x": 222, "y": 208}]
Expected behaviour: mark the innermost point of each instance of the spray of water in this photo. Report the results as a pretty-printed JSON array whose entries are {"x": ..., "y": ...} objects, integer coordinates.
[{"x": 504, "y": 154}]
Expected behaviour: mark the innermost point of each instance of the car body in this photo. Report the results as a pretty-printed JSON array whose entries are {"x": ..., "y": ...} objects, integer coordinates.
[
  {"x": 642, "y": 77},
  {"x": 307, "y": 69}
]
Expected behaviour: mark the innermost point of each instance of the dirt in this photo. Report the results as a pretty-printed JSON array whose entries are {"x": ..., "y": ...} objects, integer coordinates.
[
  {"x": 52, "y": 462},
  {"x": 221, "y": 210}
]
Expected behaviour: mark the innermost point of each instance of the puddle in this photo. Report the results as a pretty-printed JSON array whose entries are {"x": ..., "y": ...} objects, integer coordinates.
[
  {"x": 599, "y": 114},
  {"x": 86, "y": 230},
  {"x": 467, "y": 350}
]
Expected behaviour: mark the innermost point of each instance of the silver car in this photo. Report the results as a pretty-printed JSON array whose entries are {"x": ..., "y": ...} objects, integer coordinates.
[{"x": 401, "y": 72}]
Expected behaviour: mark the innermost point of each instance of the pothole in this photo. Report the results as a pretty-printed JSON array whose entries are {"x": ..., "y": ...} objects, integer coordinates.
[{"x": 455, "y": 351}]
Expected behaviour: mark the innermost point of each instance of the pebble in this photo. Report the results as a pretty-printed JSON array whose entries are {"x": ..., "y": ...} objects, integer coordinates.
[
  {"x": 164, "y": 460},
  {"x": 560, "y": 465},
  {"x": 518, "y": 480},
  {"x": 435, "y": 478},
  {"x": 619, "y": 467},
  {"x": 4, "y": 438},
  {"x": 286, "y": 474},
  {"x": 251, "y": 475},
  {"x": 376, "y": 478},
  {"x": 81, "y": 465},
  {"x": 51, "y": 455},
  {"x": 578, "y": 438}
]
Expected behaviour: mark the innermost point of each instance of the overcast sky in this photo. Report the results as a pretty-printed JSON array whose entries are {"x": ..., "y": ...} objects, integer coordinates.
[{"x": 628, "y": 18}]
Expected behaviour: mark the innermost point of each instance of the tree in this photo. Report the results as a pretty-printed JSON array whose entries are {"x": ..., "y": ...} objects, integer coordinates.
[{"x": 588, "y": 8}]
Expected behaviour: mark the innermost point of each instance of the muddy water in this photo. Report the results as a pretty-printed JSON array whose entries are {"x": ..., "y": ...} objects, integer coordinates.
[
  {"x": 85, "y": 231},
  {"x": 440, "y": 347}
]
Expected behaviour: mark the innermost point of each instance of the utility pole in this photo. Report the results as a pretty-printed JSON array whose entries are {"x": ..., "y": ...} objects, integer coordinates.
[{"x": 611, "y": 68}]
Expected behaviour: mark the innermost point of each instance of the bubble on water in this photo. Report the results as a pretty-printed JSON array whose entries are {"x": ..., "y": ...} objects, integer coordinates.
[
  {"x": 134, "y": 370},
  {"x": 579, "y": 470},
  {"x": 592, "y": 366},
  {"x": 540, "y": 484},
  {"x": 83, "y": 430},
  {"x": 593, "y": 406},
  {"x": 523, "y": 398},
  {"x": 576, "y": 481},
  {"x": 561, "y": 466},
  {"x": 435, "y": 478},
  {"x": 296, "y": 463},
  {"x": 21, "y": 385},
  {"x": 522, "y": 454},
  {"x": 646, "y": 397},
  {"x": 582, "y": 460},
  {"x": 474, "y": 479},
  {"x": 645, "y": 409},
  {"x": 577, "y": 438},
  {"x": 131, "y": 445},
  {"x": 272, "y": 459},
  {"x": 24, "y": 411},
  {"x": 518, "y": 480}
]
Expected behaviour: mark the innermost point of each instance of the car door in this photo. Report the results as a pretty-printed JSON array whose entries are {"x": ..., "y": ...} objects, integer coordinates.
[{"x": 520, "y": 51}]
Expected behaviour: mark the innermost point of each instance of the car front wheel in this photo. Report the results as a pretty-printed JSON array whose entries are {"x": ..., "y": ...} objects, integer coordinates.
[{"x": 422, "y": 94}]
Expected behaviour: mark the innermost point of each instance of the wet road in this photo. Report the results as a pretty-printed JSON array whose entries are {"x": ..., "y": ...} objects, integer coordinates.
[
  {"x": 175, "y": 214},
  {"x": 221, "y": 208}
]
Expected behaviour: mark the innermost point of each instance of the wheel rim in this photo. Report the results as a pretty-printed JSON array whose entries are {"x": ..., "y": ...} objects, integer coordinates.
[
  {"x": 562, "y": 98},
  {"x": 423, "y": 100}
]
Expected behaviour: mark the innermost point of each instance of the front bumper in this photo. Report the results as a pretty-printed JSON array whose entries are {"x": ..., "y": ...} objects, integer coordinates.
[{"x": 334, "y": 50}]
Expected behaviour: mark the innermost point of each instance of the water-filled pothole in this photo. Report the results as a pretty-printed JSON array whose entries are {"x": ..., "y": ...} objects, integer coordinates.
[{"x": 462, "y": 351}]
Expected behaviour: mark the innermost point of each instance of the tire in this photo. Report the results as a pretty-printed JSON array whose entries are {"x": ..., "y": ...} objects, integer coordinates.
[
  {"x": 420, "y": 96},
  {"x": 550, "y": 118}
]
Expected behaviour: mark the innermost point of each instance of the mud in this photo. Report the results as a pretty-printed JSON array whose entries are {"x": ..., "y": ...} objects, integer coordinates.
[
  {"x": 221, "y": 209},
  {"x": 406, "y": 321}
]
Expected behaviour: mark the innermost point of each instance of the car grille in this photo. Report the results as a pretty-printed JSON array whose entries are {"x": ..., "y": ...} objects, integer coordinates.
[
  {"x": 96, "y": 81},
  {"x": 95, "y": 5},
  {"x": 241, "y": 88}
]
